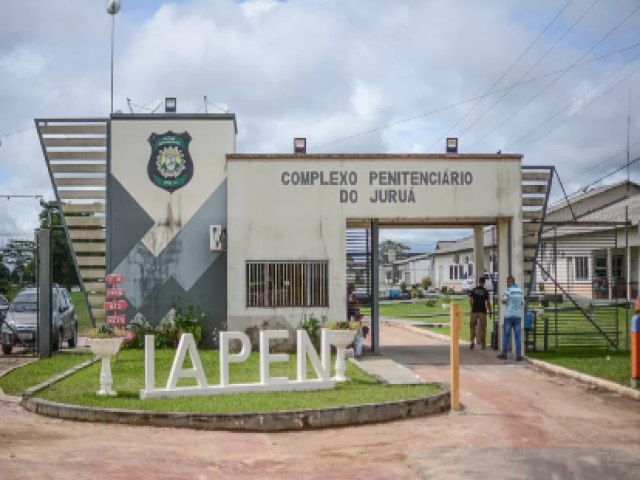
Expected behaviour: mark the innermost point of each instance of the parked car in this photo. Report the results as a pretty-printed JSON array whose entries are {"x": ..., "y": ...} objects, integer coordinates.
[
  {"x": 22, "y": 320},
  {"x": 490, "y": 281}
]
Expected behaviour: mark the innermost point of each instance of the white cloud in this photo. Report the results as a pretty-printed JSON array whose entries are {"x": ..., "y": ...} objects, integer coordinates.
[
  {"x": 255, "y": 8},
  {"x": 330, "y": 70}
]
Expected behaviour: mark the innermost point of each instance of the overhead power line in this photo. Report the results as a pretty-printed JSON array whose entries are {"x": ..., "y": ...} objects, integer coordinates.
[
  {"x": 626, "y": 165},
  {"x": 10, "y": 134},
  {"x": 581, "y": 97},
  {"x": 504, "y": 74},
  {"x": 473, "y": 99},
  {"x": 603, "y": 162},
  {"x": 534, "y": 65},
  {"x": 550, "y": 84}
]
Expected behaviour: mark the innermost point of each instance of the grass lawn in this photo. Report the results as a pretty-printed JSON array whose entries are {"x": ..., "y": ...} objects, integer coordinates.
[
  {"x": 80, "y": 305},
  {"x": 17, "y": 381},
  {"x": 614, "y": 365},
  {"x": 128, "y": 374},
  {"x": 417, "y": 308}
]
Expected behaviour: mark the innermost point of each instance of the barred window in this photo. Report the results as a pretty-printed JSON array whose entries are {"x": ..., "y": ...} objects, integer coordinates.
[
  {"x": 582, "y": 268},
  {"x": 287, "y": 284}
]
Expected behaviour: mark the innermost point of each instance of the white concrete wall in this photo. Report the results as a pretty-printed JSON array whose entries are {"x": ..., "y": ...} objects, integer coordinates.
[
  {"x": 130, "y": 152},
  {"x": 271, "y": 219}
]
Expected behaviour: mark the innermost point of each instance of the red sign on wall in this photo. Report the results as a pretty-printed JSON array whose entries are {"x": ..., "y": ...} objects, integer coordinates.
[
  {"x": 115, "y": 292},
  {"x": 114, "y": 278},
  {"x": 117, "y": 305},
  {"x": 113, "y": 305},
  {"x": 116, "y": 320}
]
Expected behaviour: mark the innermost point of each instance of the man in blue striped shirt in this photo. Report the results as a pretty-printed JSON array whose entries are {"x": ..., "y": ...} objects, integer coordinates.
[{"x": 513, "y": 299}]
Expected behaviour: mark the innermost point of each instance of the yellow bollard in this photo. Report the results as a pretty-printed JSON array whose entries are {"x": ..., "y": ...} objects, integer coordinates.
[{"x": 455, "y": 322}]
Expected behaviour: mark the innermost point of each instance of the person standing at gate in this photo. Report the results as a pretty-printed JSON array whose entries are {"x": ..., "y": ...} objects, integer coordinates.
[
  {"x": 513, "y": 299},
  {"x": 480, "y": 306}
]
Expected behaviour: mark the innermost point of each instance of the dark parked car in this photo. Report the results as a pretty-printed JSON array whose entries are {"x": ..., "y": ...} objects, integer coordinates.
[{"x": 22, "y": 319}]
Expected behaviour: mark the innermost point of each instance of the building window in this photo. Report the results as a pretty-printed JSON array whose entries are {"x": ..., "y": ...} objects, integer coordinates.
[
  {"x": 582, "y": 268},
  {"x": 287, "y": 284},
  {"x": 617, "y": 266},
  {"x": 453, "y": 272}
]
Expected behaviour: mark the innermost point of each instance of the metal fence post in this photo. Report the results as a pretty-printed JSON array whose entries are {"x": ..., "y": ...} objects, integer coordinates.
[{"x": 45, "y": 310}]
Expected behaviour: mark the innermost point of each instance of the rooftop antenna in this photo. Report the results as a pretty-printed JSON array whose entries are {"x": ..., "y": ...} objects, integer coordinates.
[
  {"x": 129, "y": 105},
  {"x": 205, "y": 104},
  {"x": 628, "y": 134},
  {"x": 155, "y": 106}
]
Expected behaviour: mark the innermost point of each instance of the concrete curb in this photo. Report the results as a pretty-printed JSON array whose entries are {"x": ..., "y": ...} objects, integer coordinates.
[
  {"x": 28, "y": 393},
  {"x": 10, "y": 398},
  {"x": 422, "y": 331},
  {"x": 595, "y": 382},
  {"x": 247, "y": 422},
  {"x": 251, "y": 422},
  {"x": 546, "y": 367}
]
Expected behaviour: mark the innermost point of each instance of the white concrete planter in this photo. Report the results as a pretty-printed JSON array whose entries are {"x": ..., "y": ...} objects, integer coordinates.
[
  {"x": 105, "y": 348},
  {"x": 340, "y": 339}
]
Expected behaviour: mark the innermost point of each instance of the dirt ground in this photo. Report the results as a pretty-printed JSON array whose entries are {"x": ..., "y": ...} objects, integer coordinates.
[{"x": 516, "y": 423}]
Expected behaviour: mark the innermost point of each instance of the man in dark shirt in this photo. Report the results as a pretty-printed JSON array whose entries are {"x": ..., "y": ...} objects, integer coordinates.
[{"x": 480, "y": 306}]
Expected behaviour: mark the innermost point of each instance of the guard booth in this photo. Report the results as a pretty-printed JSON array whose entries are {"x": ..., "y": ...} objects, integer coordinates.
[
  {"x": 288, "y": 216},
  {"x": 142, "y": 195}
]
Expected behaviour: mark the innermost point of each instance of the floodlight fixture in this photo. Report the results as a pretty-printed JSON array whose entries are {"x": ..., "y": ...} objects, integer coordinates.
[
  {"x": 300, "y": 145},
  {"x": 170, "y": 105},
  {"x": 452, "y": 145}
]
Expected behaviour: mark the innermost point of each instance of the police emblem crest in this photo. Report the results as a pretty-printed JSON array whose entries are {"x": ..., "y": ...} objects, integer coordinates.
[{"x": 170, "y": 166}]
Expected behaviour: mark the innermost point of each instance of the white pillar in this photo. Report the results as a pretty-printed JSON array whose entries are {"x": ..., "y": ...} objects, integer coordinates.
[
  {"x": 478, "y": 251},
  {"x": 503, "y": 270},
  {"x": 517, "y": 265}
]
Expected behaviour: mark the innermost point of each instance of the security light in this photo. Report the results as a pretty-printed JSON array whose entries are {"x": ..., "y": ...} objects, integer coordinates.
[
  {"x": 170, "y": 105},
  {"x": 300, "y": 145},
  {"x": 452, "y": 145}
]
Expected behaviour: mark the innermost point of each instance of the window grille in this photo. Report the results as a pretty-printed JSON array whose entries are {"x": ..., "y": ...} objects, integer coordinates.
[
  {"x": 582, "y": 268},
  {"x": 287, "y": 284}
]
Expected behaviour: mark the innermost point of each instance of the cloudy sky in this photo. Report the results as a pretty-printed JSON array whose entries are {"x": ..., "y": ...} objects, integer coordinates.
[{"x": 552, "y": 79}]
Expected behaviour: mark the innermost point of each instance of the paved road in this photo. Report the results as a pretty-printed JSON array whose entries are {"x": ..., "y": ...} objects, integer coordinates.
[{"x": 517, "y": 423}]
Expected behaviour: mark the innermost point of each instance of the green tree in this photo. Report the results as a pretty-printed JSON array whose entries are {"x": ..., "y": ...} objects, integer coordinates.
[
  {"x": 391, "y": 251},
  {"x": 19, "y": 257},
  {"x": 7, "y": 287},
  {"x": 62, "y": 267},
  {"x": 5, "y": 273}
]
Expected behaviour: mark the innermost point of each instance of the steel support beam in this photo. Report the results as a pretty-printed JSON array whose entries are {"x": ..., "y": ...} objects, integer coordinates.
[
  {"x": 375, "y": 284},
  {"x": 45, "y": 310}
]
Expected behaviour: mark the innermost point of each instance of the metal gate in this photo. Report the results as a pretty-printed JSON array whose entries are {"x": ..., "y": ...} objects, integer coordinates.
[
  {"x": 358, "y": 248},
  {"x": 582, "y": 290}
]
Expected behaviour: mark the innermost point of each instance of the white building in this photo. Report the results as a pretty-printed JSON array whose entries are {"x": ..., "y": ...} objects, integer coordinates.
[
  {"x": 594, "y": 256},
  {"x": 586, "y": 255},
  {"x": 413, "y": 269}
]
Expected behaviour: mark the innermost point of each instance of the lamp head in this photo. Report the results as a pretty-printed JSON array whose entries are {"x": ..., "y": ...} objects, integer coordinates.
[{"x": 113, "y": 7}]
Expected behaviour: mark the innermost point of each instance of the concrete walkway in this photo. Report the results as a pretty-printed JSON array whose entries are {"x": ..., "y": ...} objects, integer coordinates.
[{"x": 517, "y": 423}]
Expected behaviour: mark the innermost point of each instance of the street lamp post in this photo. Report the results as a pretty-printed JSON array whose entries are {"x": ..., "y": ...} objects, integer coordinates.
[{"x": 113, "y": 7}]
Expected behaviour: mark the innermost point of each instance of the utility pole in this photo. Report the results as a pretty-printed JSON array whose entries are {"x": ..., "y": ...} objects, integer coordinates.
[{"x": 113, "y": 7}]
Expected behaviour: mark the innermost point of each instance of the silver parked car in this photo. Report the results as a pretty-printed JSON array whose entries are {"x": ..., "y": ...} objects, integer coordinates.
[{"x": 22, "y": 319}]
